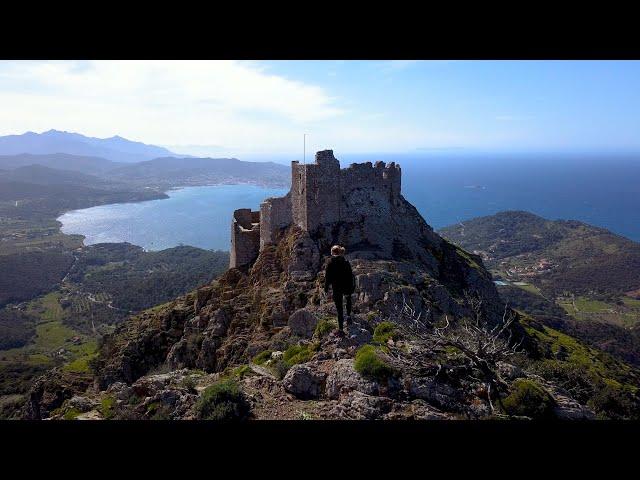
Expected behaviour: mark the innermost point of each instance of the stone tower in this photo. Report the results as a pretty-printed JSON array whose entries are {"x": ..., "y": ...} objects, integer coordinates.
[{"x": 322, "y": 196}]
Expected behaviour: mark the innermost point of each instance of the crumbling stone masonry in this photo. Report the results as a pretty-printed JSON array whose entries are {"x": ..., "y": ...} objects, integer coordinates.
[
  {"x": 322, "y": 197},
  {"x": 245, "y": 237}
]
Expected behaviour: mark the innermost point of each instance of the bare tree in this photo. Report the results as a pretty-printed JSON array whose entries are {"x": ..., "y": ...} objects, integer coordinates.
[{"x": 482, "y": 345}]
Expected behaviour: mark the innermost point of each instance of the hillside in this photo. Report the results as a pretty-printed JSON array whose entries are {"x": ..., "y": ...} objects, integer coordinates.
[
  {"x": 98, "y": 288},
  {"x": 116, "y": 149},
  {"x": 259, "y": 343},
  {"x": 41, "y": 175},
  {"x": 171, "y": 171},
  {"x": 160, "y": 173},
  {"x": 574, "y": 276},
  {"x": 60, "y": 161}
]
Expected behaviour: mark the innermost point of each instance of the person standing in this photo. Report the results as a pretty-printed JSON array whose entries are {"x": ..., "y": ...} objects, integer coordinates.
[{"x": 339, "y": 276}]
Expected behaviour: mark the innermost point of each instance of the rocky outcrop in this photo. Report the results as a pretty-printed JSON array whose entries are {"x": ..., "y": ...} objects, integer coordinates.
[
  {"x": 303, "y": 323},
  {"x": 343, "y": 379},
  {"x": 304, "y": 381},
  {"x": 51, "y": 390}
]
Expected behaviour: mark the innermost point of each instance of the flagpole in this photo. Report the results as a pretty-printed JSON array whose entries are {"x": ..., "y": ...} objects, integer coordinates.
[{"x": 304, "y": 149}]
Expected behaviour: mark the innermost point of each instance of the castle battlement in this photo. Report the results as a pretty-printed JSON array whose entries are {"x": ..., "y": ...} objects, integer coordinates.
[{"x": 321, "y": 194}]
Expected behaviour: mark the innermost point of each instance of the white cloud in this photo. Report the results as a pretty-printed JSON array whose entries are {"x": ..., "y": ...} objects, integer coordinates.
[{"x": 165, "y": 102}]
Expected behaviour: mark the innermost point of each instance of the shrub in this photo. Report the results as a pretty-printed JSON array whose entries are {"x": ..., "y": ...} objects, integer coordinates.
[
  {"x": 262, "y": 357},
  {"x": 298, "y": 354},
  {"x": 368, "y": 363},
  {"x": 615, "y": 402},
  {"x": 106, "y": 407},
  {"x": 189, "y": 384},
  {"x": 279, "y": 368},
  {"x": 385, "y": 331},
  {"x": 222, "y": 401},
  {"x": 242, "y": 371},
  {"x": 71, "y": 414},
  {"x": 529, "y": 399},
  {"x": 158, "y": 411},
  {"x": 325, "y": 326}
]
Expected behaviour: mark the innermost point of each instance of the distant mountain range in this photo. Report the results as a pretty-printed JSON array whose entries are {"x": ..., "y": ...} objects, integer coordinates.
[
  {"x": 116, "y": 148},
  {"x": 119, "y": 160}
]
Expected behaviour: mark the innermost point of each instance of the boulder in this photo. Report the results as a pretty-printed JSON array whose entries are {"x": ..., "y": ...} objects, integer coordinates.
[
  {"x": 344, "y": 379},
  {"x": 304, "y": 381},
  {"x": 303, "y": 323},
  {"x": 360, "y": 406},
  {"x": 80, "y": 403},
  {"x": 508, "y": 371},
  {"x": 218, "y": 324},
  {"x": 435, "y": 393}
]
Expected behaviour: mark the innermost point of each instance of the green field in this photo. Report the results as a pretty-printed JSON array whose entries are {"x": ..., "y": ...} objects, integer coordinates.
[
  {"x": 53, "y": 343},
  {"x": 530, "y": 288},
  {"x": 625, "y": 313}
]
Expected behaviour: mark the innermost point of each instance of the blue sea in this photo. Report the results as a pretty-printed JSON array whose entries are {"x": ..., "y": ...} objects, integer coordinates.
[
  {"x": 447, "y": 188},
  {"x": 196, "y": 216}
]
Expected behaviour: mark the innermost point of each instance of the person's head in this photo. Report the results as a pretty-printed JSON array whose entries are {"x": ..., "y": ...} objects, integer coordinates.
[{"x": 337, "y": 250}]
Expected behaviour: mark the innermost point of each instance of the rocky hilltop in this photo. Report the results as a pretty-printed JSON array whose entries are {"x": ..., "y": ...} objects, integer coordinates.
[{"x": 431, "y": 338}]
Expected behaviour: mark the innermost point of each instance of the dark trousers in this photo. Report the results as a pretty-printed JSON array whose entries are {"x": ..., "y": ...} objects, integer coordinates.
[{"x": 337, "y": 299}]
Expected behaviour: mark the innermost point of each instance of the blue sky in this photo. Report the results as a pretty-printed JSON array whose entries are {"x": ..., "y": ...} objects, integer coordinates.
[{"x": 351, "y": 106}]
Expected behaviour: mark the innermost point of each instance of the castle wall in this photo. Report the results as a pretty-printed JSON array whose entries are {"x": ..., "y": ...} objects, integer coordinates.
[
  {"x": 299, "y": 194},
  {"x": 245, "y": 237},
  {"x": 322, "y": 195},
  {"x": 275, "y": 214}
]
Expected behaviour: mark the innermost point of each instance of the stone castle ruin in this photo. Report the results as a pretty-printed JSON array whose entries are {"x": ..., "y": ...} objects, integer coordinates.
[{"x": 322, "y": 197}]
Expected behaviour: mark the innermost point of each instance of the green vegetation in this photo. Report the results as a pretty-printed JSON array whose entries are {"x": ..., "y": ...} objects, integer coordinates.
[
  {"x": 242, "y": 371},
  {"x": 222, "y": 401},
  {"x": 279, "y": 368},
  {"x": 16, "y": 328},
  {"x": 384, "y": 332},
  {"x": 466, "y": 256},
  {"x": 262, "y": 357},
  {"x": 529, "y": 399},
  {"x": 369, "y": 363},
  {"x": 79, "y": 365},
  {"x": 581, "y": 278},
  {"x": 591, "y": 376},
  {"x": 325, "y": 326},
  {"x": 299, "y": 353},
  {"x": 71, "y": 414},
  {"x": 158, "y": 411},
  {"x": 107, "y": 407},
  {"x": 530, "y": 288},
  {"x": 29, "y": 274},
  {"x": 631, "y": 302},
  {"x": 147, "y": 279}
]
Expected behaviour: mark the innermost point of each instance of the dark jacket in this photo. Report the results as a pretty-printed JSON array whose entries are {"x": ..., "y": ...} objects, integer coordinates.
[{"x": 338, "y": 274}]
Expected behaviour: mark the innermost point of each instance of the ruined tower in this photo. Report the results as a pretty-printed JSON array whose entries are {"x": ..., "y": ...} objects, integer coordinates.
[
  {"x": 322, "y": 196},
  {"x": 245, "y": 237}
]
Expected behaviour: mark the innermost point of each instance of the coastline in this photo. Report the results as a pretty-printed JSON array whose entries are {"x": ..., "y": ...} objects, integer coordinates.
[{"x": 69, "y": 227}]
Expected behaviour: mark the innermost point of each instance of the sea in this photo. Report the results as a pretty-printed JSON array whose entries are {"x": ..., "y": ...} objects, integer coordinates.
[{"x": 446, "y": 188}]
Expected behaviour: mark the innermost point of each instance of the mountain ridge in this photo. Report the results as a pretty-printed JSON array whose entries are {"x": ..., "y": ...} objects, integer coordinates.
[{"x": 115, "y": 148}]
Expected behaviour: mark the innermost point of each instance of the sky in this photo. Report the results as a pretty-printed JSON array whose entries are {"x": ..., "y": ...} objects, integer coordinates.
[{"x": 265, "y": 107}]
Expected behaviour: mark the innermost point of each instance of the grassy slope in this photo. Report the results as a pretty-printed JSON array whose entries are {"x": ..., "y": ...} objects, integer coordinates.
[{"x": 587, "y": 290}]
